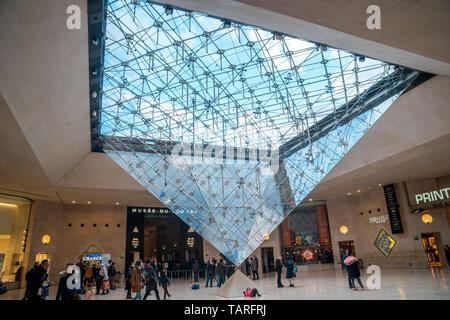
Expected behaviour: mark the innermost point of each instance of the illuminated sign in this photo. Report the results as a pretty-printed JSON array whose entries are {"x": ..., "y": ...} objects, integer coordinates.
[
  {"x": 135, "y": 242},
  {"x": 190, "y": 242},
  {"x": 150, "y": 210},
  {"x": 435, "y": 195},
  {"x": 379, "y": 219}
]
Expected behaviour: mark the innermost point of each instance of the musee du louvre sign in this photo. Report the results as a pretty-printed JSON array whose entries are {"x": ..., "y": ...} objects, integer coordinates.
[{"x": 147, "y": 210}]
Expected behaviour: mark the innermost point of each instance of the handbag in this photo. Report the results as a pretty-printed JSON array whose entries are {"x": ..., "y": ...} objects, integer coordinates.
[
  {"x": 295, "y": 269},
  {"x": 105, "y": 285},
  {"x": 3, "y": 289}
]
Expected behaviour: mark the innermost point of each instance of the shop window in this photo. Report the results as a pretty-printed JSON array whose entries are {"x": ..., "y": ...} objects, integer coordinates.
[
  {"x": 308, "y": 236},
  {"x": 14, "y": 218}
]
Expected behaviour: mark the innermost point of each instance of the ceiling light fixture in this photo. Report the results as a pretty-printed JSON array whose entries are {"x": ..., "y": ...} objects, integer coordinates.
[
  {"x": 8, "y": 205},
  {"x": 168, "y": 10}
]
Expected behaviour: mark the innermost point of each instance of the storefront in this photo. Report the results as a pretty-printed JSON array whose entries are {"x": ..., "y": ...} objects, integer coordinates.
[
  {"x": 158, "y": 233},
  {"x": 306, "y": 236},
  {"x": 14, "y": 222},
  {"x": 430, "y": 198},
  {"x": 94, "y": 255}
]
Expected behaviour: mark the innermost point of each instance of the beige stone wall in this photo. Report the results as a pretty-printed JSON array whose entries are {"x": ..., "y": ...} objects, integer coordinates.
[
  {"x": 68, "y": 243},
  {"x": 407, "y": 251}
]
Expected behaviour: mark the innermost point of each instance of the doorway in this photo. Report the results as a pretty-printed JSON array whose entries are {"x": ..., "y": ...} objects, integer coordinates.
[
  {"x": 343, "y": 246},
  {"x": 267, "y": 259},
  {"x": 430, "y": 243}
]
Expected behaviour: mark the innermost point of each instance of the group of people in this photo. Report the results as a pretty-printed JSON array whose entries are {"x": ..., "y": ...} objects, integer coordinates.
[
  {"x": 214, "y": 269},
  {"x": 93, "y": 279},
  {"x": 291, "y": 271},
  {"x": 146, "y": 275}
]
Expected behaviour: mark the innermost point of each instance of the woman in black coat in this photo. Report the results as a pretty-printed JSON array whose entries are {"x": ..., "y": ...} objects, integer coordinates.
[
  {"x": 290, "y": 274},
  {"x": 353, "y": 273}
]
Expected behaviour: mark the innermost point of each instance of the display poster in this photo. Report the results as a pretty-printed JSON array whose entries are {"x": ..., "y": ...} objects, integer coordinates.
[{"x": 385, "y": 243}]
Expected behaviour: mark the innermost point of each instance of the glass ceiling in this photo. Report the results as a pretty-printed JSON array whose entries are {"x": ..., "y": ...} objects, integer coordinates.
[
  {"x": 207, "y": 81},
  {"x": 294, "y": 108}
]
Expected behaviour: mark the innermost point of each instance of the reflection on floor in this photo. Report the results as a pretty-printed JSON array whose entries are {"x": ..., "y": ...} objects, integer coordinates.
[{"x": 396, "y": 284}]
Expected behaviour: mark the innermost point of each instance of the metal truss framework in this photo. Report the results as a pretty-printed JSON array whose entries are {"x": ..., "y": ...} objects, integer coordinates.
[{"x": 230, "y": 125}]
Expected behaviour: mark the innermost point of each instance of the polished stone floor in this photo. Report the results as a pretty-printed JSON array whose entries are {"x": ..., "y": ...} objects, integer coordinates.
[{"x": 396, "y": 284}]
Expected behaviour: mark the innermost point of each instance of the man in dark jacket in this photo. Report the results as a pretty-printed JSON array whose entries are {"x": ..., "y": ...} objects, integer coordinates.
[
  {"x": 64, "y": 293},
  {"x": 279, "y": 269},
  {"x": 152, "y": 281},
  {"x": 112, "y": 274},
  {"x": 128, "y": 280},
  {"x": 210, "y": 273},
  {"x": 195, "y": 270},
  {"x": 35, "y": 277},
  {"x": 220, "y": 271},
  {"x": 247, "y": 267}
]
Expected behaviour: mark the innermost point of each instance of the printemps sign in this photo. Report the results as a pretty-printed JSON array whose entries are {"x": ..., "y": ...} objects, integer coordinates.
[{"x": 433, "y": 198}]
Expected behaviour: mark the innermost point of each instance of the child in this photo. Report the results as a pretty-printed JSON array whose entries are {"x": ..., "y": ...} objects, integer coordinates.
[
  {"x": 90, "y": 291},
  {"x": 164, "y": 283},
  {"x": 251, "y": 293}
]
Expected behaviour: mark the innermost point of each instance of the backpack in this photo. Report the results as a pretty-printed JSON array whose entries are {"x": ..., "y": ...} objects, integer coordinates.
[{"x": 195, "y": 286}]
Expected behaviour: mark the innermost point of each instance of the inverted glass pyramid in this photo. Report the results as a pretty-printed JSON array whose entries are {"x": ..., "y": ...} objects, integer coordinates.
[{"x": 231, "y": 126}]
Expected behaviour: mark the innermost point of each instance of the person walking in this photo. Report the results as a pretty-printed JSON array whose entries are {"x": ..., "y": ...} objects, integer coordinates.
[
  {"x": 128, "y": 274},
  {"x": 195, "y": 270},
  {"x": 164, "y": 283},
  {"x": 97, "y": 277},
  {"x": 290, "y": 271},
  {"x": 254, "y": 266},
  {"x": 220, "y": 273},
  {"x": 64, "y": 293},
  {"x": 210, "y": 272},
  {"x": 112, "y": 274},
  {"x": 105, "y": 279},
  {"x": 279, "y": 270},
  {"x": 35, "y": 279},
  {"x": 447, "y": 255},
  {"x": 88, "y": 275},
  {"x": 136, "y": 280},
  {"x": 151, "y": 281},
  {"x": 353, "y": 270},
  {"x": 257, "y": 265},
  {"x": 247, "y": 267},
  {"x": 346, "y": 254}
]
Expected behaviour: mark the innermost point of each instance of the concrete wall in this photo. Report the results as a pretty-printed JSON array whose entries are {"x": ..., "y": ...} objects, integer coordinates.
[
  {"x": 407, "y": 252},
  {"x": 68, "y": 243}
]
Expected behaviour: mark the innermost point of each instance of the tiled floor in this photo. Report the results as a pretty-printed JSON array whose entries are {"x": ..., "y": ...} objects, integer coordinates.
[{"x": 312, "y": 285}]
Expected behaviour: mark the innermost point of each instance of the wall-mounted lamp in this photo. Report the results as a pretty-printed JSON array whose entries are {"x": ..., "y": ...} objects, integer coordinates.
[
  {"x": 427, "y": 218},
  {"x": 343, "y": 230},
  {"x": 46, "y": 239}
]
